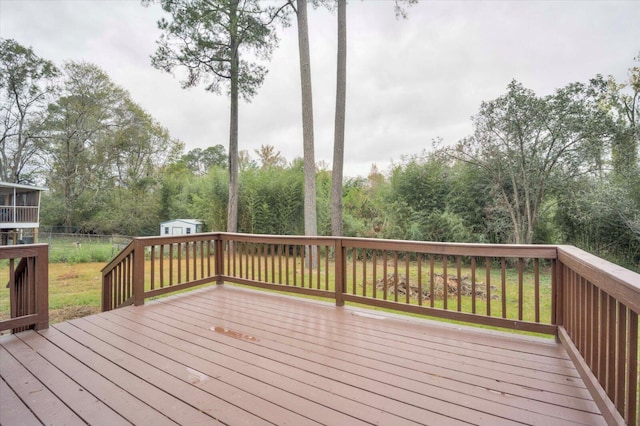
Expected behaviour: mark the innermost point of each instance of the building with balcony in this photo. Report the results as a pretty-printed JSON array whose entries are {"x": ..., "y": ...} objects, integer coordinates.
[{"x": 19, "y": 213}]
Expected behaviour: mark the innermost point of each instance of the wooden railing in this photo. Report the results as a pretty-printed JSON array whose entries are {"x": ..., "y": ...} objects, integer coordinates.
[
  {"x": 28, "y": 272},
  {"x": 589, "y": 304},
  {"x": 598, "y": 322},
  {"x": 154, "y": 266},
  {"x": 504, "y": 286}
]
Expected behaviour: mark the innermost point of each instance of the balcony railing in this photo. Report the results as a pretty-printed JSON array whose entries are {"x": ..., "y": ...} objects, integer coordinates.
[
  {"x": 24, "y": 214},
  {"x": 28, "y": 281},
  {"x": 589, "y": 304}
]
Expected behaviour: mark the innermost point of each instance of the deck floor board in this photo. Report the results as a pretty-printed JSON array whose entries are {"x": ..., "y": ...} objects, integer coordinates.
[{"x": 228, "y": 355}]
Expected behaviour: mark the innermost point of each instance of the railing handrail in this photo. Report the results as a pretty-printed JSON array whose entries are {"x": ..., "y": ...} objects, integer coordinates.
[
  {"x": 599, "y": 328},
  {"x": 118, "y": 258},
  {"x": 618, "y": 282},
  {"x": 548, "y": 252}
]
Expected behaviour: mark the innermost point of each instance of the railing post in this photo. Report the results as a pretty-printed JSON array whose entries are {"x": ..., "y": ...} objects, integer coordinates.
[
  {"x": 219, "y": 259},
  {"x": 339, "y": 253},
  {"x": 42, "y": 288},
  {"x": 107, "y": 290},
  {"x": 557, "y": 292},
  {"x": 138, "y": 272}
]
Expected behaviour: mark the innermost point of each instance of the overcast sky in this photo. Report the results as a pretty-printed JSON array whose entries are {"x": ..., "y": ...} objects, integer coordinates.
[{"x": 408, "y": 81}]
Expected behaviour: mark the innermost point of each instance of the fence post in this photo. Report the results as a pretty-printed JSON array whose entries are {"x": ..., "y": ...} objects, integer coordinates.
[
  {"x": 138, "y": 272},
  {"x": 339, "y": 254},
  {"x": 42, "y": 287}
]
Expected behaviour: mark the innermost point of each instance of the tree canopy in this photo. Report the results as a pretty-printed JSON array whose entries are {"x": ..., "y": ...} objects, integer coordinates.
[{"x": 27, "y": 84}]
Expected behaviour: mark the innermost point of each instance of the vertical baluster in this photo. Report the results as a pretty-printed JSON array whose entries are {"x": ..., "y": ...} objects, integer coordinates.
[
  {"x": 179, "y": 263},
  {"x": 326, "y": 268},
  {"x": 295, "y": 265},
  {"x": 187, "y": 260},
  {"x": 588, "y": 354},
  {"x": 432, "y": 273},
  {"x": 602, "y": 344},
  {"x": 303, "y": 261},
  {"x": 201, "y": 246},
  {"x": 265, "y": 258},
  {"x": 354, "y": 255},
  {"x": 384, "y": 272},
  {"x": 473, "y": 284},
  {"x": 407, "y": 278},
  {"x": 579, "y": 328},
  {"x": 255, "y": 259},
  {"x": 520, "y": 288},
  {"x": 503, "y": 286},
  {"x": 13, "y": 289},
  {"x": 273, "y": 263},
  {"x": 621, "y": 353},
  {"x": 375, "y": 274},
  {"x": 364, "y": 272},
  {"x": 161, "y": 265},
  {"x": 420, "y": 294},
  {"x": 286, "y": 258},
  {"x": 152, "y": 275},
  {"x": 445, "y": 284},
  {"x": 395, "y": 276},
  {"x": 536, "y": 288},
  {"x": 488, "y": 284},
  {"x": 459, "y": 277},
  {"x": 209, "y": 274},
  {"x": 631, "y": 412},
  {"x": 195, "y": 260},
  {"x": 319, "y": 267},
  {"x": 312, "y": 259},
  {"x": 611, "y": 348}
]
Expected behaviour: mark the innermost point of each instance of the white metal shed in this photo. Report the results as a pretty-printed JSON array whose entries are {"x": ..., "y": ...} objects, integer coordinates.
[{"x": 180, "y": 227}]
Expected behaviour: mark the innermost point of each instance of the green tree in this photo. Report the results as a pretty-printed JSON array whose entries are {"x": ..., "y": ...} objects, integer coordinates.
[
  {"x": 79, "y": 124},
  {"x": 211, "y": 39},
  {"x": 621, "y": 102},
  {"x": 526, "y": 144},
  {"x": 26, "y": 87},
  {"x": 141, "y": 146},
  {"x": 200, "y": 161},
  {"x": 105, "y": 154},
  {"x": 418, "y": 187},
  {"x": 271, "y": 200}
]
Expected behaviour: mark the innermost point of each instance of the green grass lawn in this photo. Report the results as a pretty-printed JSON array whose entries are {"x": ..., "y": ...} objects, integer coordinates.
[{"x": 74, "y": 290}]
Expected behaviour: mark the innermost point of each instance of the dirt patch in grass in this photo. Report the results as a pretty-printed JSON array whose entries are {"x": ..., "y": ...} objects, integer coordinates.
[
  {"x": 71, "y": 275},
  {"x": 71, "y": 312}
]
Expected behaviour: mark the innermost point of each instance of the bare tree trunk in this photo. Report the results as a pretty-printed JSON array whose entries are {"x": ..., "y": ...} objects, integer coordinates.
[
  {"x": 337, "y": 228},
  {"x": 232, "y": 211},
  {"x": 310, "y": 215}
]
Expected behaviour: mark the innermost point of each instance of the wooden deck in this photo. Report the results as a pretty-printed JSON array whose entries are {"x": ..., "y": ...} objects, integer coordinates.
[{"x": 226, "y": 355}]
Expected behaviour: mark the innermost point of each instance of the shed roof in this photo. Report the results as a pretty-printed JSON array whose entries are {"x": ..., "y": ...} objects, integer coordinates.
[{"x": 189, "y": 221}]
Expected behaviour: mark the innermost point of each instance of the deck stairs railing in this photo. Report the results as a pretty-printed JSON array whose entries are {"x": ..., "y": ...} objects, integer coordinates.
[{"x": 27, "y": 281}]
